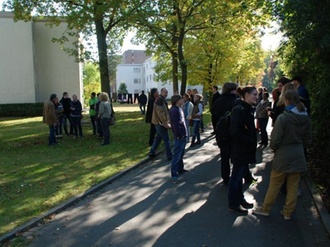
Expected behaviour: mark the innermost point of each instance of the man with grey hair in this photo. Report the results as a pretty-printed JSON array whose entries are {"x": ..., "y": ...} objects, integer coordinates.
[{"x": 160, "y": 118}]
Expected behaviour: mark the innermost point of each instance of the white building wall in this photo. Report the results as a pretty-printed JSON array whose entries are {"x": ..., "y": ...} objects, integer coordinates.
[
  {"x": 56, "y": 71},
  {"x": 31, "y": 66},
  {"x": 16, "y": 61},
  {"x": 125, "y": 73}
]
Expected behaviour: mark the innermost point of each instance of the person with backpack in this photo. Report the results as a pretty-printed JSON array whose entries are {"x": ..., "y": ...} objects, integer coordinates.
[
  {"x": 221, "y": 110},
  {"x": 244, "y": 144}
]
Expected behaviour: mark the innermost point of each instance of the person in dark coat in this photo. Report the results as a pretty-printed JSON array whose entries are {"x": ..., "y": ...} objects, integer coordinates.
[
  {"x": 219, "y": 108},
  {"x": 215, "y": 97},
  {"x": 76, "y": 113},
  {"x": 142, "y": 102},
  {"x": 150, "y": 109},
  {"x": 66, "y": 103},
  {"x": 178, "y": 126},
  {"x": 243, "y": 152}
]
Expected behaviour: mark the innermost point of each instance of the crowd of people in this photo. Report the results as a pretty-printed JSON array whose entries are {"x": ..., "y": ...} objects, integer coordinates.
[
  {"x": 58, "y": 113},
  {"x": 248, "y": 110}
]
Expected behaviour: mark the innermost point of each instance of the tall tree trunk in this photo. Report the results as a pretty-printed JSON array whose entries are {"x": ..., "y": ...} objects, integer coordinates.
[
  {"x": 182, "y": 62},
  {"x": 175, "y": 72},
  {"x": 174, "y": 55},
  {"x": 209, "y": 83},
  {"x": 103, "y": 58}
]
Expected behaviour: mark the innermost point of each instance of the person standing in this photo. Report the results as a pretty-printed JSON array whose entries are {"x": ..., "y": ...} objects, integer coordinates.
[
  {"x": 104, "y": 116},
  {"x": 178, "y": 125},
  {"x": 187, "y": 108},
  {"x": 196, "y": 118},
  {"x": 243, "y": 152},
  {"x": 142, "y": 102},
  {"x": 152, "y": 133},
  {"x": 303, "y": 93},
  {"x": 278, "y": 109},
  {"x": 225, "y": 104},
  {"x": 66, "y": 103},
  {"x": 76, "y": 115},
  {"x": 160, "y": 118},
  {"x": 59, "y": 114},
  {"x": 92, "y": 114},
  {"x": 215, "y": 97},
  {"x": 262, "y": 117},
  {"x": 292, "y": 130},
  {"x": 50, "y": 118}
]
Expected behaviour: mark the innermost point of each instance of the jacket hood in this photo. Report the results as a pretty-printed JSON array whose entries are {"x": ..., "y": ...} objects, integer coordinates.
[{"x": 297, "y": 118}]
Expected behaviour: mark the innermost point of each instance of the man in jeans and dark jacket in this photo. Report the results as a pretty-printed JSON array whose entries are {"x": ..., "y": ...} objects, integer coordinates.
[
  {"x": 180, "y": 133},
  {"x": 160, "y": 119},
  {"x": 50, "y": 118}
]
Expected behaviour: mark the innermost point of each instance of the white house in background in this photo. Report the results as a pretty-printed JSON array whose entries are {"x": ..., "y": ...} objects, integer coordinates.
[
  {"x": 31, "y": 66},
  {"x": 137, "y": 72}
]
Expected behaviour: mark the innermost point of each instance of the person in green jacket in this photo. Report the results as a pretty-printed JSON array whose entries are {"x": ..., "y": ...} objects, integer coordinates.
[
  {"x": 92, "y": 103},
  {"x": 291, "y": 132}
]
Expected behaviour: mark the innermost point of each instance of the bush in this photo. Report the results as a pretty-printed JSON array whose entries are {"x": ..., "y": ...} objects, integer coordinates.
[{"x": 21, "y": 110}]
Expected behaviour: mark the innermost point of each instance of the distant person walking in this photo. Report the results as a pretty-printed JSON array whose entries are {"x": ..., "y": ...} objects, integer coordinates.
[
  {"x": 160, "y": 118},
  {"x": 50, "y": 118},
  {"x": 142, "y": 102},
  {"x": 178, "y": 125},
  {"x": 291, "y": 131},
  {"x": 243, "y": 152},
  {"x": 76, "y": 115}
]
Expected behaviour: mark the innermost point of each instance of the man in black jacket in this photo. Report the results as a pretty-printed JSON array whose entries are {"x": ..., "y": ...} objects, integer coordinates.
[
  {"x": 150, "y": 109},
  {"x": 215, "y": 97},
  {"x": 142, "y": 102},
  {"x": 219, "y": 108},
  {"x": 66, "y": 103}
]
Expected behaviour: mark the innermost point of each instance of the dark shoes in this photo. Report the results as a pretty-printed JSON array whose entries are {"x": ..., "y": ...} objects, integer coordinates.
[
  {"x": 246, "y": 205},
  {"x": 183, "y": 171},
  {"x": 238, "y": 209},
  {"x": 151, "y": 155}
]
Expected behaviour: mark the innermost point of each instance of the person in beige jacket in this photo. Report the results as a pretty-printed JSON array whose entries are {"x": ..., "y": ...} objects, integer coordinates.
[
  {"x": 50, "y": 118},
  {"x": 161, "y": 120}
]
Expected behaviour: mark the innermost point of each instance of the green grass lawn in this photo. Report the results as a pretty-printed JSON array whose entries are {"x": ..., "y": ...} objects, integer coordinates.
[{"x": 35, "y": 177}]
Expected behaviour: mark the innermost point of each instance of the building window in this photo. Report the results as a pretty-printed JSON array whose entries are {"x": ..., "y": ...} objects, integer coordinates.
[
  {"x": 137, "y": 70},
  {"x": 137, "y": 81}
]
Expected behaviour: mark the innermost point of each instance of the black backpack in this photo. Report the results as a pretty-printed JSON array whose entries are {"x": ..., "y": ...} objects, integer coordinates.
[{"x": 222, "y": 133}]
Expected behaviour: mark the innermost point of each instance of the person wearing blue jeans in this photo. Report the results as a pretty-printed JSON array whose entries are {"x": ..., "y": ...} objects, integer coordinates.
[
  {"x": 50, "y": 118},
  {"x": 180, "y": 133},
  {"x": 197, "y": 117},
  {"x": 160, "y": 118}
]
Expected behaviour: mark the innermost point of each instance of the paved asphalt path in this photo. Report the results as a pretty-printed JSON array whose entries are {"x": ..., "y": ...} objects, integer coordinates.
[{"x": 144, "y": 208}]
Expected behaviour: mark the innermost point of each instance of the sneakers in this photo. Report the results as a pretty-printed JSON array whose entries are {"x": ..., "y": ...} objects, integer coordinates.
[
  {"x": 285, "y": 217},
  {"x": 260, "y": 211}
]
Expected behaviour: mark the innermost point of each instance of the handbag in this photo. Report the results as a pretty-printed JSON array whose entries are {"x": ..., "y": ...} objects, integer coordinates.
[
  {"x": 112, "y": 120},
  {"x": 191, "y": 122}
]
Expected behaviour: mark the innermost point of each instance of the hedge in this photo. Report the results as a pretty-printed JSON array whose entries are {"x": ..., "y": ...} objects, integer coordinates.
[{"x": 21, "y": 110}]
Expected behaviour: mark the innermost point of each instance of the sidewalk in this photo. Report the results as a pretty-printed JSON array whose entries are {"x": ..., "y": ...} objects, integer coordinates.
[{"x": 144, "y": 208}]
